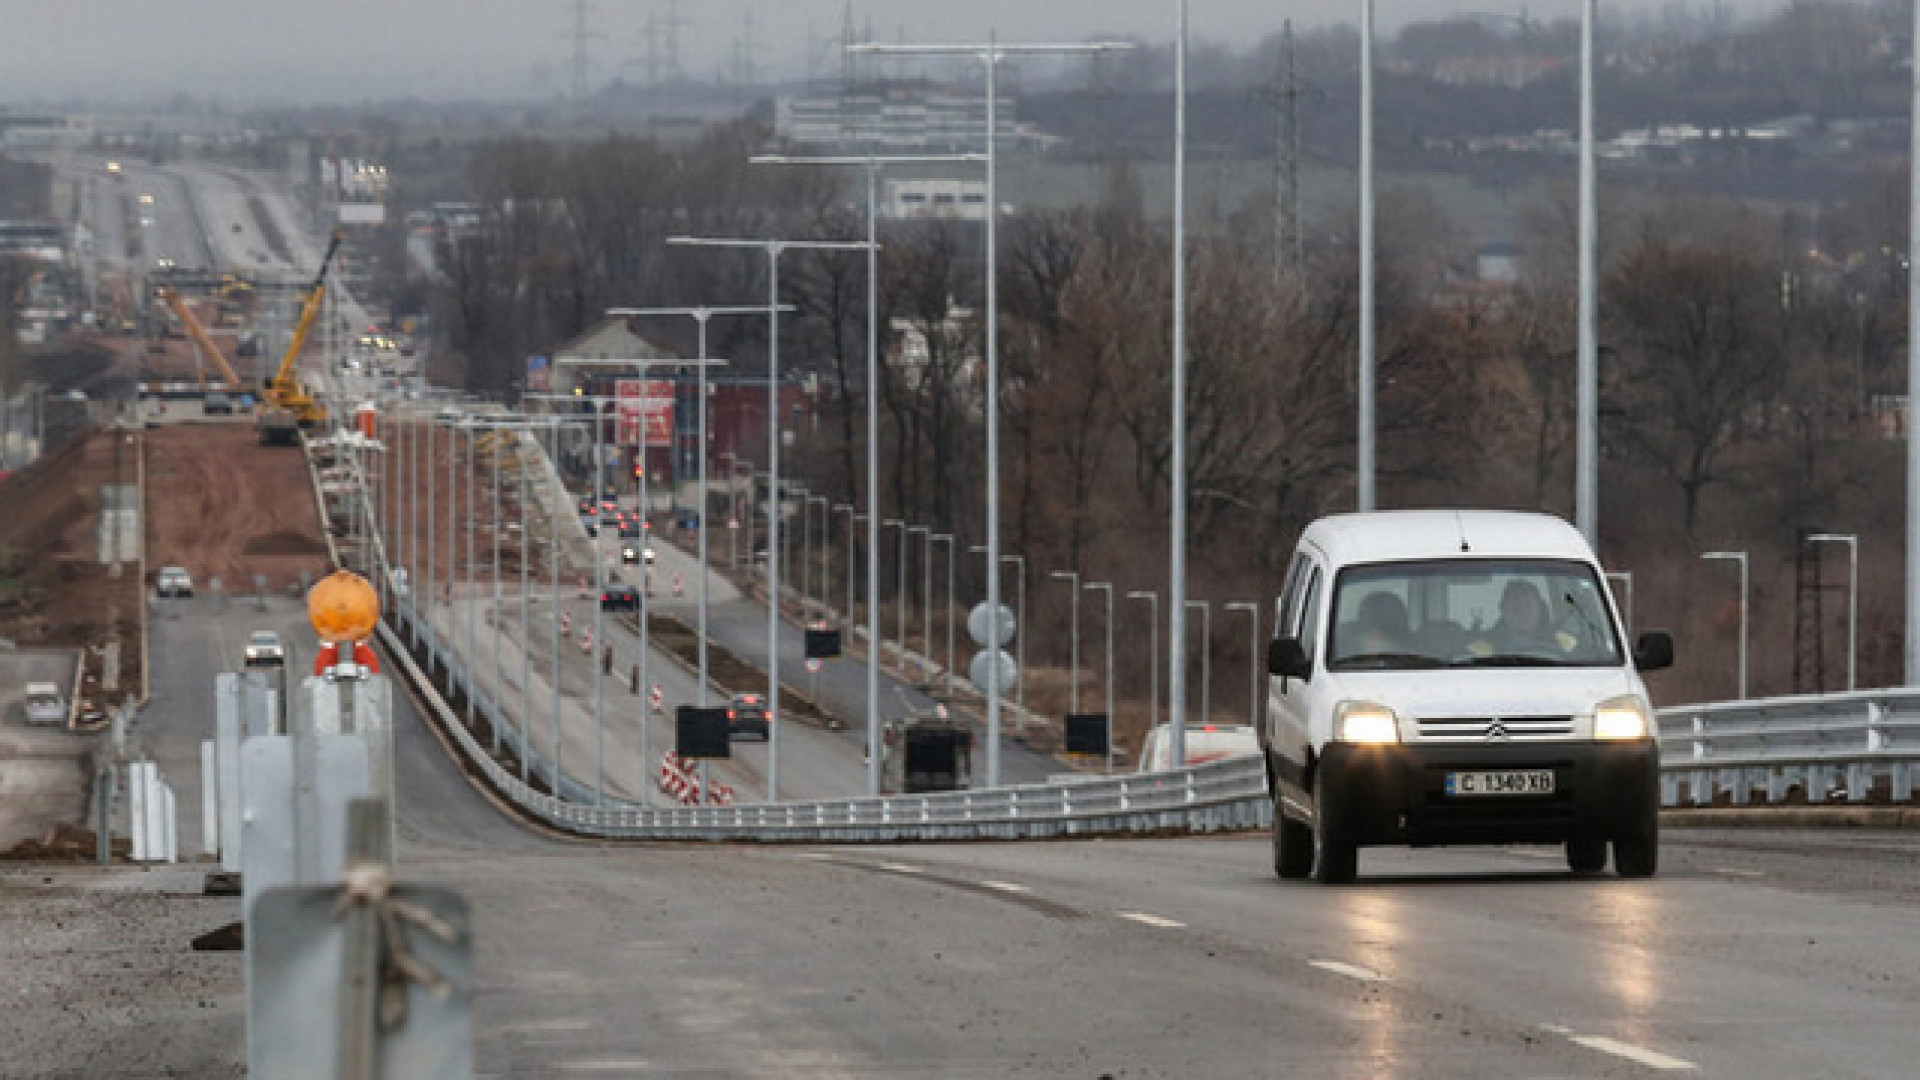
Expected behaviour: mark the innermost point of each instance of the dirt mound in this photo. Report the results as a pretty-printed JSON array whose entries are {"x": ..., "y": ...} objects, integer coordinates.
[
  {"x": 64, "y": 843},
  {"x": 285, "y": 542}
]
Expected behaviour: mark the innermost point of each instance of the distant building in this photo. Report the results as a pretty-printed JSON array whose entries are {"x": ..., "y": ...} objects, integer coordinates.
[
  {"x": 965, "y": 200},
  {"x": 1498, "y": 263},
  {"x": 20, "y": 131},
  {"x": 903, "y": 118}
]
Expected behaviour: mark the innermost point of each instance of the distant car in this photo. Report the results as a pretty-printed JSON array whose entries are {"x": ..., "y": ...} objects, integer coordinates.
[
  {"x": 264, "y": 649},
  {"x": 216, "y": 404},
  {"x": 173, "y": 581},
  {"x": 630, "y": 554},
  {"x": 588, "y": 523},
  {"x": 632, "y": 526},
  {"x": 747, "y": 715},
  {"x": 113, "y": 168},
  {"x": 620, "y": 598},
  {"x": 44, "y": 704},
  {"x": 146, "y": 199}
]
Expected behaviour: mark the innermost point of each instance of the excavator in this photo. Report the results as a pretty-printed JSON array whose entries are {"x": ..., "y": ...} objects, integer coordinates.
[
  {"x": 288, "y": 406},
  {"x": 201, "y": 338}
]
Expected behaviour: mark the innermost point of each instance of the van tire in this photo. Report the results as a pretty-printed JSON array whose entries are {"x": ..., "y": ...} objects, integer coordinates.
[
  {"x": 1292, "y": 846},
  {"x": 1336, "y": 863},
  {"x": 1637, "y": 854},
  {"x": 1586, "y": 856}
]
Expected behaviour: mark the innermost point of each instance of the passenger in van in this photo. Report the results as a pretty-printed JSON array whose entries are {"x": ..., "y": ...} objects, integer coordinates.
[{"x": 1383, "y": 625}]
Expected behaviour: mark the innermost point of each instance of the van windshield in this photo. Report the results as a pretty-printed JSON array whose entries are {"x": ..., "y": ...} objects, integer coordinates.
[{"x": 1470, "y": 613}]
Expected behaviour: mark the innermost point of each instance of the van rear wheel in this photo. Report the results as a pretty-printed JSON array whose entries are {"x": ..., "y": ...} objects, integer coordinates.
[{"x": 1292, "y": 846}]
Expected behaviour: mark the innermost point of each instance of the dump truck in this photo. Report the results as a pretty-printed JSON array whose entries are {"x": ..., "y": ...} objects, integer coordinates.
[{"x": 926, "y": 753}]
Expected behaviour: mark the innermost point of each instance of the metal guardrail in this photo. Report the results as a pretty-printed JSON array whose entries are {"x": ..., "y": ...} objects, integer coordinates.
[{"x": 1824, "y": 744}]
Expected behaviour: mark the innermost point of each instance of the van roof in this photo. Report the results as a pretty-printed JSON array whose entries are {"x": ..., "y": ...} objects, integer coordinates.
[
  {"x": 43, "y": 688},
  {"x": 1406, "y": 535}
]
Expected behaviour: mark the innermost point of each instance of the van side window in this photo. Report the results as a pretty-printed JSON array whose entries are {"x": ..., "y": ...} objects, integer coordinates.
[
  {"x": 1289, "y": 613},
  {"x": 1308, "y": 625}
]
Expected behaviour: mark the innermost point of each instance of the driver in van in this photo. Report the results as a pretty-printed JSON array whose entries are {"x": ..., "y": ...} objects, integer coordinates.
[
  {"x": 1383, "y": 624},
  {"x": 1523, "y": 625}
]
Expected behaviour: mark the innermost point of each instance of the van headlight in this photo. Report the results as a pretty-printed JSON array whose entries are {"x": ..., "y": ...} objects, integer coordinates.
[
  {"x": 1624, "y": 717},
  {"x": 1364, "y": 722}
]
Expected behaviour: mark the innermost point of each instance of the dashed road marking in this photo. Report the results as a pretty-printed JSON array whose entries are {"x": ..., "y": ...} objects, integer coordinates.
[
  {"x": 1351, "y": 971},
  {"x": 899, "y": 868},
  {"x": 1151, "y": 920},
  {"x": 1652, "y": 1059},
  {"x": 1006, "y": 887},
  {"x": 1729, "y": 871},
  {"x": 603, "y": 1066}
]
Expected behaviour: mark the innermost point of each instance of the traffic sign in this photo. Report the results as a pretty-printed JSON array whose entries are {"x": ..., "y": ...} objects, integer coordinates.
[
  {"x": 814, "y": 664},
  {"x": 982, "y": 667},
  {"x": 988, "y": 632},
  {"x": 733, "y": 523}
]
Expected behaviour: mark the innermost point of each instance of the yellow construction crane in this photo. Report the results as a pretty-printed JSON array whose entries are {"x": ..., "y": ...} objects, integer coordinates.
[
  {"x": 201, "y": 338},
  {"x": 288, "y": 404}
]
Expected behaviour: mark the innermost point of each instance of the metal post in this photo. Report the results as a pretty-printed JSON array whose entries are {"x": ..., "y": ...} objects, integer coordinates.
[
  {"x": 1587, "y": 433},
  {"x": 643, "y": 707},
  {"x": 1177, "y": 503},
  {"x": 472, "y": 665},
  {"x": 1253, "y": 661},
  {"x": 1741, "y": 558},
  {"x": 1912, "y": 665},
  {"x": 1206, "y": 661},
  {"x": 826, "y": 547},
  {"x": 873, "y": 487},
  {"x": 526, "y": 606},
  {"x": 1853, "y": 599},
  {"x": 846, "y": 613},
  {"x": 554, "y": 513},
  {"x": 1364, "y": 480},
  {"x": 1020, "y": 642},
  {"x": 926, "y": 593},
  {"x": 948, "y": 537},
  {"x": 1107, "y": 587},
  {"x": 433, "y": 638},
  {"x": 599, "y": 618},
  {"x": 1153, "y": 653},
  {"x": 900, "y": 601},
  {"x": 498, "y": 599},
  {"x": 1072, "y": 577}
]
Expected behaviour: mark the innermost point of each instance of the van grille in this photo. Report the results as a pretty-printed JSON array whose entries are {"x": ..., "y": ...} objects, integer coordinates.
[{"x": 1480, "y": 729}]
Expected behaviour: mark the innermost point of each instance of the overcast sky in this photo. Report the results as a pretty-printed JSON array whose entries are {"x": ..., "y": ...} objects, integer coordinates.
[{"x": 356, "y": 50}]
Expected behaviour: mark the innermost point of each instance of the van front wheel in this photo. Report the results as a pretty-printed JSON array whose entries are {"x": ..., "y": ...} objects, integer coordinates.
[
  {"x": 1637, "y": 854},
  {"x": 1292, "y": 845},
  {"x": 1336, "y": 861}
]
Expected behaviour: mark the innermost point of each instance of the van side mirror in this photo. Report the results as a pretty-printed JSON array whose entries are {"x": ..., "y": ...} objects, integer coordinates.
[
  {"x": 1654, "y": 651},
  {"x": 1287, "y": 659}
]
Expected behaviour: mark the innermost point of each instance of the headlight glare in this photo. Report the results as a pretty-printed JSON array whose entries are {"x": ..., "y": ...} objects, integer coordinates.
[
  {"x": 1365, "y": 722},
  {"x": 1625, "y": 717}
]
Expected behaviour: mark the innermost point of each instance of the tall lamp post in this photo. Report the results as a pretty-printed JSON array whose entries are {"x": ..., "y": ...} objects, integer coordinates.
[
  {"x": 900, "y": 588},
  {"x": 991, "y": 53},
  {"x": 847, "y": 612},
  {"x": 1206, "y": 659},
  {"x": 1852, "y": 541},
  {"x": 1107, "y": 587},
  {"x": 1741, "y": 558},
  {"x": 1153, "y": 654},
  {"x": 700, "y": 315},
  {"x": 926, "y": 592},
  {"x": 948, "y": 539},
  {"x": 773, "y": 250},
  {"x": 1253, "y": 653}
]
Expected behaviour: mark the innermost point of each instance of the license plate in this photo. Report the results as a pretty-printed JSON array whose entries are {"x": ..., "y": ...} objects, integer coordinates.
[{"x": 1502, "y": 782}]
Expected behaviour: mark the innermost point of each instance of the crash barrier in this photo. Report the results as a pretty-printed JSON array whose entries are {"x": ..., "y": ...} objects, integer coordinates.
[
  {"x": 151, "y": 814},
  {"x": 1823, "y": 747}
]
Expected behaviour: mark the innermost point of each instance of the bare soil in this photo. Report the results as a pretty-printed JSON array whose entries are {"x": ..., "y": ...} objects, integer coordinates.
[{"x": 223, "y": 506}]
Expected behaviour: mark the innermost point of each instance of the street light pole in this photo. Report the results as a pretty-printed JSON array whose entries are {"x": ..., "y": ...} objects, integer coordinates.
[
  {"x": 1107, "y": 587},
  {"x": 1852, "y": 540},
  {"x": 773, "y": 250},
  {"x": 900, "y": 593},
  {"x": 1153, "y": 655},
  {"x": 991, "y": 53},
  {"x": 1177, "y": 503},
  {"x": 1072, "y": 577},
  {"x": 1587, "y": 398},
  {"x": 826, "y": 546},
  {"x": 1741, "y": 558},
  {"x": 948, "y": 537},
  {"x": 926, "y": 593},
  {"x": 1253, "y": 653},
  {"x": 1206, "y": 659},
  {"x": 847, "y": 612}
]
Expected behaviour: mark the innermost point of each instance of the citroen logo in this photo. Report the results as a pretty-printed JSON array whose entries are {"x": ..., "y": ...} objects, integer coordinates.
[{"x": 1496, "y": 731}]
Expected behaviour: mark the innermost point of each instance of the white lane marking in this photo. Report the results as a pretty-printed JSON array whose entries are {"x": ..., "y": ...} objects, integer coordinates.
[
  {"x": 1005, "y": 886},
  {"x": 824, "y": 856},
  {"x": 1151, "y": 920},
  {"x": 603, "y": 1066},
  {"x": 1731, "y": 872},
  {"x": 1652, "y": 1059},
  {"x": 1351, "y": 971},
  {"x": 548, "y": 1025},
  {"x": 899, "y": 868},
  {"x": 1556, "y": 1029}
]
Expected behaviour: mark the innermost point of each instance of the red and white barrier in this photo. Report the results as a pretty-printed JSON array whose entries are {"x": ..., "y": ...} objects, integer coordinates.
[{"x": 680, "y": 779}]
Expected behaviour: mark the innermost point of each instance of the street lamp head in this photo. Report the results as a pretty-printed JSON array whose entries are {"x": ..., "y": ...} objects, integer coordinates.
[{"x": 1065, "y": 575}]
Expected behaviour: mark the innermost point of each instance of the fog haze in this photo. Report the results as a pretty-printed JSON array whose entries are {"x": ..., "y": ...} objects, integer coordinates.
[{"x": 355, "y": 50}]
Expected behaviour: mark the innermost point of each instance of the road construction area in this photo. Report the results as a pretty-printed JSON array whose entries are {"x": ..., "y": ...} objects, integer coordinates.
[{"x": 223, "y": 506}]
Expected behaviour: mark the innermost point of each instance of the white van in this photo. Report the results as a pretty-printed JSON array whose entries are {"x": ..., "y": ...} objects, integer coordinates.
[
  {"x": 44, "y": 704},
  {"x": 1204, "y": 743},
  {"x": 1456, "y": 677}
]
